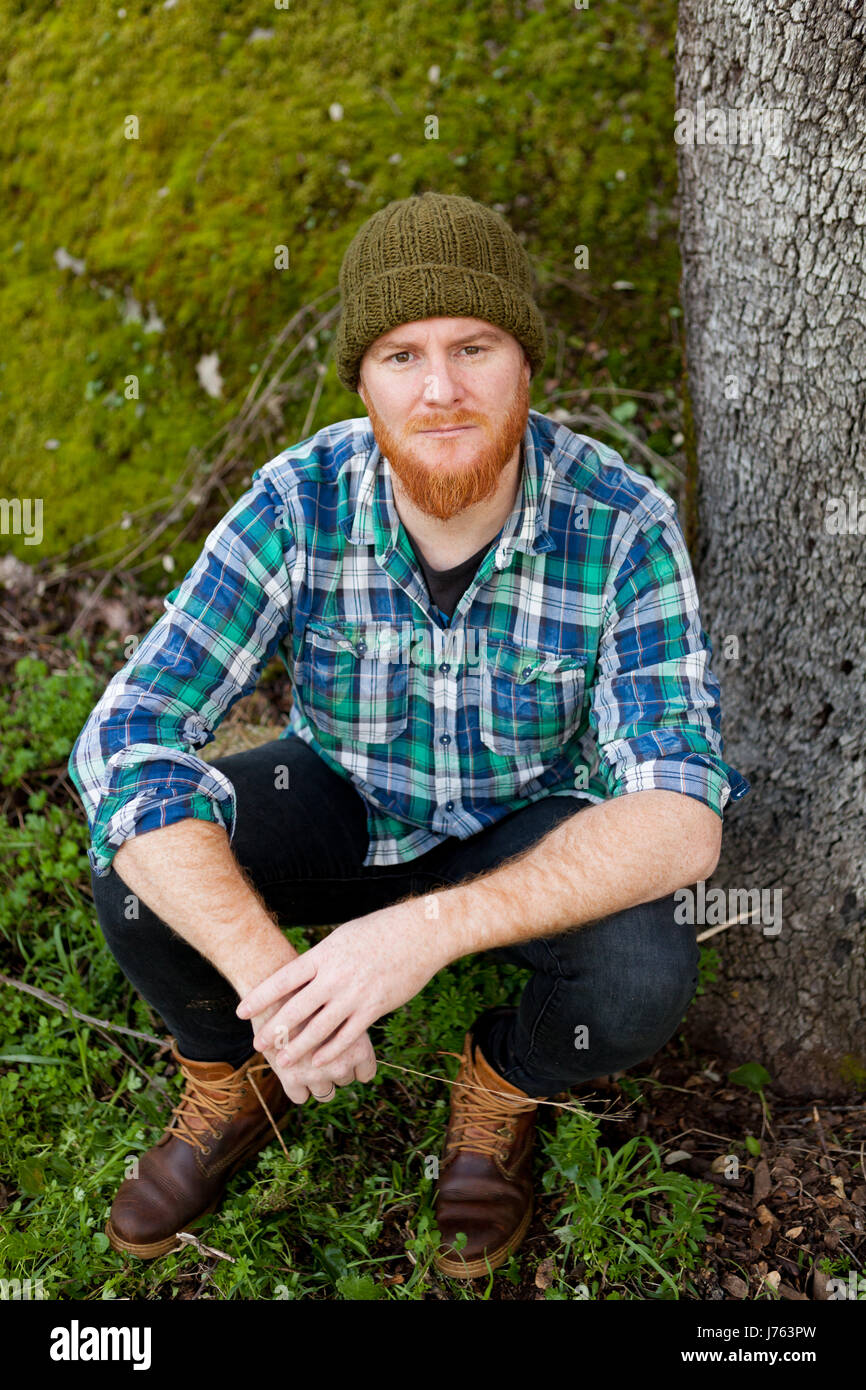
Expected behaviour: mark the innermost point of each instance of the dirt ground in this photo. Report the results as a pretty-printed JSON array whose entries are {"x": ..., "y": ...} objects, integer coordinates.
[{"x": 801, "y": 1202}]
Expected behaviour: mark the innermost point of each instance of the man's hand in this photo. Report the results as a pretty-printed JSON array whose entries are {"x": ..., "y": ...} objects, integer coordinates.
[
  {"x": 303, "y": 1080},
  {"x": 333, "y": 992},
  {"x": 187, "y": 874}
]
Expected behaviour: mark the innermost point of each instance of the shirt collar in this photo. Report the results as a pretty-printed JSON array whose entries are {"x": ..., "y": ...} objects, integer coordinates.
[{"x": 367, "y": 514}]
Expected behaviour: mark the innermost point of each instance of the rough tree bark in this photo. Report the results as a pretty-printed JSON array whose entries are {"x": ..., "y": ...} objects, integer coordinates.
[{"x": 774, "y": 298}]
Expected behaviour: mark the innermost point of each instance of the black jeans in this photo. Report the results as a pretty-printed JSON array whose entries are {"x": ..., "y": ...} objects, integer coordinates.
[{"x": 626, "y": 979}]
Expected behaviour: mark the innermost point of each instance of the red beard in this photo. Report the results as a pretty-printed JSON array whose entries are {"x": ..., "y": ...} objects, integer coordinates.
[{"x": 441, "y": 490}]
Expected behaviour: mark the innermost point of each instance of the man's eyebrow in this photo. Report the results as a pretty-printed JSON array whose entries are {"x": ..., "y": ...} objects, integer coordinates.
[{"x": 400, "y": 344}]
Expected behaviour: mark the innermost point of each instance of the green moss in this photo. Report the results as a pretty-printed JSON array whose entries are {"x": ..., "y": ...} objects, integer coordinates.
[
  {"x": 852, "y": 1068},
  {"x": 562, "y": 117},
  {"x": 43, "y": 715}
]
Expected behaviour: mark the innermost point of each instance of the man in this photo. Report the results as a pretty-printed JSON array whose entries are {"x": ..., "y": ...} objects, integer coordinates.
[{"x": 539, "y": 787}]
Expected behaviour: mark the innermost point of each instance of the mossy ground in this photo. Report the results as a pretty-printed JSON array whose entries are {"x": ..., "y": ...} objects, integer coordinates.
[{"x": 562, "y": 118}]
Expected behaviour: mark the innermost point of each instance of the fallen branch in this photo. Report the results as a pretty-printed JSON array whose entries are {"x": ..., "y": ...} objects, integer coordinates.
[
  {"x": 723, "y": 926},
  {"x": 99, "y": 1023},
  {"x": 187, "y": 1238}
]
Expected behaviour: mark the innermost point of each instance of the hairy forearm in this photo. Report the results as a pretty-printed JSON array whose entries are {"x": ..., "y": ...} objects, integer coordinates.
[
  {"x": 603, "y": 859},
  {"x": 187, "y": 874}
]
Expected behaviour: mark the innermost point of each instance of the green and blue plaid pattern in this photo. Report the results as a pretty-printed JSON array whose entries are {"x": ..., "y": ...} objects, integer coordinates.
[{"x": 574, "y": 665}]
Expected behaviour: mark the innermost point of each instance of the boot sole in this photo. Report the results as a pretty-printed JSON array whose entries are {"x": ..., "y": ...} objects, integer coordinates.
[
  {"x": 474, "y": 1269},
  {"x": 161, "y": 1247}
]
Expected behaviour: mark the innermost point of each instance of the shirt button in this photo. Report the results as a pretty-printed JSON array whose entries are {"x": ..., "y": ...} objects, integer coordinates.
[
  {"x": 527, "y": 670},
  {"x": 449, "y": 805},
  {"x": 362, "y": 646},
  {"x": 445, "y": 666},
  {"x": 445, "y": 738}
]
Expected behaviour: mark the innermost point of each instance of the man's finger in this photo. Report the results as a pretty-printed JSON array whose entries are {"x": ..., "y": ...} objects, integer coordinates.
[
  {"x": 296, "y": 1091},
  {"x": 343, "y": 1038},
  {"x": 283, "y": 981},
  {"x": 325, "y": 1098},
  {"x": 281, "y": 1029},
  {"x": 366, "y": 1070},
  {"x": 317, "y": 1030}
]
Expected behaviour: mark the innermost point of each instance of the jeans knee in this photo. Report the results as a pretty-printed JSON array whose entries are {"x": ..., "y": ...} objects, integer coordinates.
[
  {"x": 623, "y": 1030},
  {"x": 638, "y": 998},
  {"x": 659, "y": 1004}
]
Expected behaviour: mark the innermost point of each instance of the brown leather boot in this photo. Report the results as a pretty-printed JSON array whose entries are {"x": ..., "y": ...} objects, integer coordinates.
[
  {"x": 218, "y": 1125},
  {"x": 485, "y": 1176}
]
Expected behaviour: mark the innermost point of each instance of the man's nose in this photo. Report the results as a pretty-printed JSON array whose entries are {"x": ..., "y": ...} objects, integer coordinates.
[{"x": 442, "y": 383}]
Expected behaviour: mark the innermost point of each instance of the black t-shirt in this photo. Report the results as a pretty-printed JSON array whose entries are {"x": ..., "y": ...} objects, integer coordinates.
[{"x": 447, "y": 587}]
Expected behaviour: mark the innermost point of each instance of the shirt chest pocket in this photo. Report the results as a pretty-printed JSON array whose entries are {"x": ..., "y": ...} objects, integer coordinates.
[
  {"x": 531, "y": 701},
  {"x": 351, "y": 684}
]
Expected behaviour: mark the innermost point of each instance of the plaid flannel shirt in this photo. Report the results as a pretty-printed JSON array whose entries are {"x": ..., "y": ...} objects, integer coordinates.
[{"x": 575, "y": 663}]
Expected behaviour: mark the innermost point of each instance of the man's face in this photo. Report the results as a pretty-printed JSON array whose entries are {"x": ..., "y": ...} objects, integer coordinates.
[{"x": 448, "y": 400}]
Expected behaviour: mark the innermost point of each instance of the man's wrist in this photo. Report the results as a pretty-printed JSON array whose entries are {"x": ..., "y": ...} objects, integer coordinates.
[
  {"x": 431, "y": 923},
  {"x": 252, "y": 952},
  {"x": 471, "y": 917}
]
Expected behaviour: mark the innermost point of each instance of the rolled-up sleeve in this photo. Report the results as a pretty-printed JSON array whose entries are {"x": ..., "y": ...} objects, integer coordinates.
[
  {"x": 133, "y": 763},
  {"x": 655, "y": 705}
]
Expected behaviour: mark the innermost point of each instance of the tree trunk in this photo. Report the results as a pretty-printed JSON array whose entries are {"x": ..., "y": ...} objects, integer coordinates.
[{"x": 774, "y": 297}]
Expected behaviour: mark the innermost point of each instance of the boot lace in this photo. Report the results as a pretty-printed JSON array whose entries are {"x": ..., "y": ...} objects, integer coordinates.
[
  {"x": 211, "y": 1103},
  {"x": 490, "y": 1117}
]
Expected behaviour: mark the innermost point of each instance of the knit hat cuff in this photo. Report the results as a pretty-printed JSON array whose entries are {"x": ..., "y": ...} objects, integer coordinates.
[{"x": 408, "y": 293}]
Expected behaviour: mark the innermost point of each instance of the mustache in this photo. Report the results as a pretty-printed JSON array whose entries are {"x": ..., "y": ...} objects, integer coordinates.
[{"x": 451, "y": 423}]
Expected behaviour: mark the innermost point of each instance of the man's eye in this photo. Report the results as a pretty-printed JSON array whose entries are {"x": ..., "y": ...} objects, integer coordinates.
[{"x": 404, "y": 352}]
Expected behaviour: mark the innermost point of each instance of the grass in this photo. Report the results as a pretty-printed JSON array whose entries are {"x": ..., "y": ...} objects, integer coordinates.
[{"x": 348, "y": 1214}]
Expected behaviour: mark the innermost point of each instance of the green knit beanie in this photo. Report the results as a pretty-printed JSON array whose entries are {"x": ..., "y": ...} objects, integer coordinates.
[{"x": 429, "y": 256}]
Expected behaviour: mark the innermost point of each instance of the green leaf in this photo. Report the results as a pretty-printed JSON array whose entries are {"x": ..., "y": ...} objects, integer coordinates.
[
  {"x": 752, "y": 1075},
  {"x": 625, "y": 411},
  {"x": 334, "y": 1262},
  {"x": 572, "y": 1171},
  {"x": 62, "y": 1167},
  {"x": 358, "y": 1287},
  {"x": 753, "y": 1145},
  {"x": 31, "y": 1177},
  {"x": 100, "y": 1240}
]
